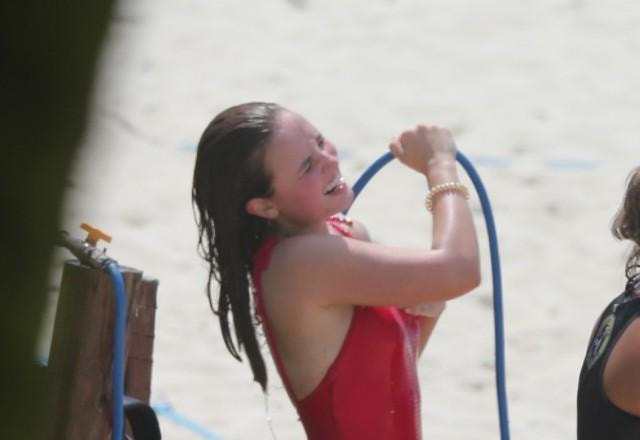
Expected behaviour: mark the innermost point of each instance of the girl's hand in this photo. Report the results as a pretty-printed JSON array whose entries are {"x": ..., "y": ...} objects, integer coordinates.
[{"x": 424, "y": 147}]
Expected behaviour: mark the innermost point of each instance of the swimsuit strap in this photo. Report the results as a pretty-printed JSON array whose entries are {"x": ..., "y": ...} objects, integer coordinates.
[
  {"x": 633, "y": 285},
  {"x": 261, "y": 261},
  {"x": 341, "y": 224}
]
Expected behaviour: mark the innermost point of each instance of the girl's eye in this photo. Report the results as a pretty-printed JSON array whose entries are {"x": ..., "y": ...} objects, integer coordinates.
[
  {"x": 320, "y": 141},
  {"x": 308, "y": 165}
]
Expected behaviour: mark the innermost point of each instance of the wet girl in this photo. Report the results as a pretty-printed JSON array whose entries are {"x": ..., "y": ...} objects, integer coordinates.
[
  {"x": 609, "y": 387},
  {"x": 345, "y": 319}
]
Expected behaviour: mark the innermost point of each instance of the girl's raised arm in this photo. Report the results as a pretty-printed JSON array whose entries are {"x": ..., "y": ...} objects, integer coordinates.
[{"x": 337, "y": 270}]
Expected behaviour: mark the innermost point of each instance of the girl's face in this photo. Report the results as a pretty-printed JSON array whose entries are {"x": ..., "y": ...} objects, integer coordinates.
[{"x": 306, "y": 180}]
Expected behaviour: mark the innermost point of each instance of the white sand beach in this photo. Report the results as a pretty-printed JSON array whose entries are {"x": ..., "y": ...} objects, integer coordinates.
[{"x": 541, "y": 96}]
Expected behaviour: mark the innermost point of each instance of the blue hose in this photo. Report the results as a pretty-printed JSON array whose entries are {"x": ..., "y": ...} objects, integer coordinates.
[
  {"x": 495, "y": 274},
  {"x": 117, "y": 432}
]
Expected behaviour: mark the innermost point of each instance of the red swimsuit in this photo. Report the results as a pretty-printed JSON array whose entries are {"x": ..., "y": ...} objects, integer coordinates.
[{"x": 371, "y": 390}]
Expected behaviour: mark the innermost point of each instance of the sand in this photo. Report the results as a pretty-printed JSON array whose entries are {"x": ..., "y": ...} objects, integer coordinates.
[{"x": 542, "y": 97}]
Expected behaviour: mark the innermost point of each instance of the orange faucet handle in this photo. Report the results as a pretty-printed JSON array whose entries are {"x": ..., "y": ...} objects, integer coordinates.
[{"x": 94, "y": 234}]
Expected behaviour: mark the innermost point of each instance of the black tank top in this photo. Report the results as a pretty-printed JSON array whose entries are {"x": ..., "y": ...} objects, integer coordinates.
[{"x": 598, "y": 417}]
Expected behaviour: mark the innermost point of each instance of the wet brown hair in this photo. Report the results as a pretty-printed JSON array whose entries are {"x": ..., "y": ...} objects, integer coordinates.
[
  {"x": 626, "y": 224},
  {"x": 229, "y": 171}
]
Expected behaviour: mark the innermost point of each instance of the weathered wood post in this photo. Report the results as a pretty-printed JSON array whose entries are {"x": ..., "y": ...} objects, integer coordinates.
[
  {"x": 140, "y": 337},
  {"x": 81, "y": 357}
]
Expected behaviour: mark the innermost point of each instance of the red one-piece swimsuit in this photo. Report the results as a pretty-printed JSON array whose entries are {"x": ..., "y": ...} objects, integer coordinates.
[{"x": 371, "y": 390}]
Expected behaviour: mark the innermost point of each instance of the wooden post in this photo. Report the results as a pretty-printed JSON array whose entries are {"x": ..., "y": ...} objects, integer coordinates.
[
  {"x": 81, "y": 357},
  {"x": 140, "y": 336}
]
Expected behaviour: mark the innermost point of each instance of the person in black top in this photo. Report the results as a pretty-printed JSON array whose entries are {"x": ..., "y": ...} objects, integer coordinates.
[{"x": 609, "y": 385}]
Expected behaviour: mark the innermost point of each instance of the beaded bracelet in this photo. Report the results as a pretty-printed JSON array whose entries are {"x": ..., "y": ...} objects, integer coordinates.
[{"x": 445, "y": 187}]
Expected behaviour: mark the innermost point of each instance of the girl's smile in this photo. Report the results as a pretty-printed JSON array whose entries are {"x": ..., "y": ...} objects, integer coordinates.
[{"x": 337, "y": 185}]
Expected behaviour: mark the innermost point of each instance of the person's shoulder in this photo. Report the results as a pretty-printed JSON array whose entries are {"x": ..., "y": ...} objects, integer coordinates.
[
  {"x": 298, "y": 262},
  {"x": 621, "y": 378},
  {"x": 300, "y": 249}
]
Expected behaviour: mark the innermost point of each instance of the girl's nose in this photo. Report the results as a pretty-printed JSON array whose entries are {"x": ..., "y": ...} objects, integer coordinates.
[{"x": 329, "y": 160}]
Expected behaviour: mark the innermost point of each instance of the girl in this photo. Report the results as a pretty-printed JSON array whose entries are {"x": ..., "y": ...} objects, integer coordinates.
[
  {"x": 609, "y": 387},
  {"x": 267, "y": 189}
]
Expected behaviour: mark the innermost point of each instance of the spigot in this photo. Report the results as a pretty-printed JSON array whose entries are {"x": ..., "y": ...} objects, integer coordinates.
[{"x": 94, "y": 234}]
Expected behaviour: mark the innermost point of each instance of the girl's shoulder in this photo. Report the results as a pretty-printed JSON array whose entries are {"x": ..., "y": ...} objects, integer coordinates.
[
  {"x": 621, "y": 379},
  {"x": 299, "y": 256}
]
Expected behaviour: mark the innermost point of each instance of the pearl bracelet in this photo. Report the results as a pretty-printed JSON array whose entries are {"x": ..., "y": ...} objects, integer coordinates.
[{"x": 442, "y": 188}]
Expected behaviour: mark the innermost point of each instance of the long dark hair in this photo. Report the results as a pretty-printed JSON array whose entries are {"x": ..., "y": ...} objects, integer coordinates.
[
  {"x": 228, "y": 172},
  {"x": 626, "y": 226}
]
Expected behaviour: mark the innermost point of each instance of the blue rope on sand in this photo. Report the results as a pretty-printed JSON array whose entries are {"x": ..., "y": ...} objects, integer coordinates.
[
  {"x": 495, "y": 274},
  {"x": 164, "y": 409}
]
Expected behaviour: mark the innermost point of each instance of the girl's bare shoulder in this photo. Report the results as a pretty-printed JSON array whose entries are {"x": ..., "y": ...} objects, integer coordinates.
[{"x": 621, "y": 378}]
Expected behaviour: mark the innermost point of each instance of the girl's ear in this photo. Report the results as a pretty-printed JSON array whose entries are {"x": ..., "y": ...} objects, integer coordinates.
[{"x": 262, "y": 207}]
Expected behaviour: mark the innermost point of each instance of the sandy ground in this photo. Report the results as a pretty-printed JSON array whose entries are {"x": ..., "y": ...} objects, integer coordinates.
[{"x": 542, "y": 96}]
